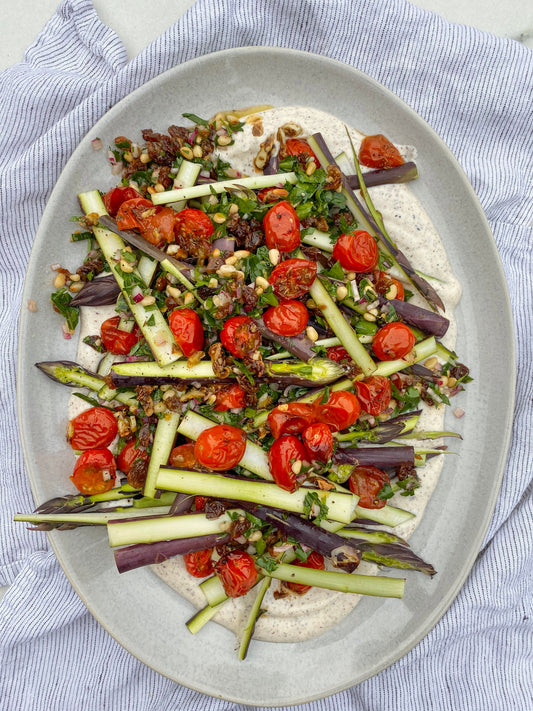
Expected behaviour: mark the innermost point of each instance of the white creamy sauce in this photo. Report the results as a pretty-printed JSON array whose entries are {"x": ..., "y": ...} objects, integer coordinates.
[{"x": 296, "y": 618}]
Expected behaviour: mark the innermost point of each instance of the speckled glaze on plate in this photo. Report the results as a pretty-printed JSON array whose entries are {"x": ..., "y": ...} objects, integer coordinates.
[{"x": 138, "y": 609}]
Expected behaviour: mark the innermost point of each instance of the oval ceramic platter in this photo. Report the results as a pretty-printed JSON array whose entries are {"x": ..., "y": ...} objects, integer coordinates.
[{"x": 139, "y": 610}]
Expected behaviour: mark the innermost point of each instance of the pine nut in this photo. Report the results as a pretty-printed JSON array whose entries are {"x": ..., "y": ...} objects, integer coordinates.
[
  {"x": 242, "y": 254},
  {"x": 224, "y": 140},
  {"x": 60, "y": 281},
  {"x": 226, "y": 270},
  {"x": 212, "y": 283},
  {"x": 259, "y": 290},
  {"x": 159, "y": 188},
  {"x": 232, "y": 260},
  {"x": 127, "y": 157},
  {"x": 186, "y": 152},
  {"x": 172, "y": 249},
  {"x": 310, "y": 168},
  {"x": 144, "y": 158},
  {"x": 311, "y": 333},
  {"x": 310, "y": 303},
  {"x": 369, "y": 317},
  {"x": 431, "y": 363},
  {"x": 373, "y": 311},
  {"x": 233, "y": 208},
  {"x": 197, "y": 151},
  {"x": 74, "y": 277},
  {"x": 296, "y": 467},
  {"x": 76, "y": 286},
  {"x": 173, "y": 292},
  {"x": 188, "y": 298},
  {"x": 219, "y": 218},
  {"x": 342, "y": 292},
  {"x": 216, "y": 252},
  {"x": 148, "y": 300},
  {"x": 255, "y": 536},
  {"x": 452, "y": 382},
  {"x": 392, "y": 292},
  {"x": 350, "y": 276},
  {"x": 125, "y": 266},
  {"x": 274, "y": 256},
  {"x": 262, "y": 282}
]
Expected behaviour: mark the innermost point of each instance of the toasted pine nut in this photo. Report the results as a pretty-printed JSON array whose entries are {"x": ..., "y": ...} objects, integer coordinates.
[
  {"x": 219, "y": 218},
  {"x": 241, "y": 253},
  {"x": 296, "y": 466},
  {"x": 173, "y": 292},
  {"x": 188, "y": 298},
  {"x": 255, "y": 536},
  {"x": 342, "y": 292},
  {"x": 369, "y": 317},
  {"x": 350, "y": 276},
  {"x": 159, "y": 188},
  {"x": 232, "y": 260},
  {"x": 76, "y": 286},
  {"x": 212, "y": 283},
  {"x": 60, "y": 281},
  {"x": 262, "y": 282},
  {"x": 224, "y": 140},
  {"x": 311, "y": 333},
  {"x": 233, "y": 208},
  {"x": 126, "y": 266},
  {"x": 144, "y": 158},
  {"x": 226, "y": 270},
  {"x": 74, "y": 277},
  {"x": 216, "y": 252},
  {"x": 148, "y": 300},
  {"x": 431, "y": 363},
  {"x": 197, "y": 151},
  {"x": 311, "y": 167},
  {"x": 186, "y": 152},
  {"x": 392, "y": 292},
  {"x": 452, "y": 382},
  {"x": 274, "y": 256}
]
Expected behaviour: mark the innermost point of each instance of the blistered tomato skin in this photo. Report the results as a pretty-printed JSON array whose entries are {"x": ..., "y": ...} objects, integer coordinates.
[
  {"x": 231, "y": 398},
  {"x": 240, "y": 336},
  {"x": 115, "y": 340},
  {"x": 293, "y": 278},
  {"x": 340, "y": 411},
  {"x": 220, "y": 447},
  {"x": 290, "y": 418},
  {"x": 383, "y": 284},
  {"x": 289, "y": 318},
  {"x": 356, "y": 251},
  {"x": 338, "y": 354},
  {"x": 114, "y": 198},
  {"x": 318, "y": 441},
  {"x": 374, "y": 393},
  {"x": 193, "y": 231},
  {"x": 282, "y": 227},
  {"x": 367, "y": 482},
  {"x": 94, "y": 472},
  {"x": 187, "y": 329},
  {"x": 378, "y": 152},
  {"x": 283, "y": 455},
  {"x": 92, "y": 428},
  {"x": 237, "y": 573},
  {"x": 182, "y": 456},
  {"x": 299, "y": 147},
  {"x": 128, "y": 454},
  {"x": 199, "y": 563},
  {"x": 392, "y": 341}
]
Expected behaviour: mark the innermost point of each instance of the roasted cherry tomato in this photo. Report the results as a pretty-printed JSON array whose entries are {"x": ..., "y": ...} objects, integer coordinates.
[
  {"x": 378, "y": 152},
  {"x": 193, "y": 230},
  {"x": 114, "y": 198},
  {"x": 282, "y": 456},
  {"x": 318, "y": 441},
  {"x": 299, "y": 147},
  {"x": 340, "y": 411},
  {"x": 293, "y": 278},
  {"x": 231, "y": 398},
  {"x": 356, "y": 251},
  {"x": 383, "y": 284},
  {"x": 200, "y": 502},
  {"x": 95, "y": 472},
  {"x": 271, "y": 194},
  {"x": 286, "y": 319},
  {"x": 115, "y": 340},
  {"x": 182, "y": 456},
  {"x": 374, "y": 393},
  {"x": 132, "y": 212},
  {"x": 367, "y": 482},
  {"x": 338, "y": 354},
  {"x": 187, "y": 329},
  {"x": 290, "y": 418},
  {"x": 237, "y": 573},
  {"x": 315, "y": 561},
  {"x": 394, "y": 340},
  {"x": 240, "y": 336},
  {"x": 282, "y": 227},
  {"x": 128, "y": 454},
  {"x": 92, "y": 428},
  {"x": 199, "y": 563},
  {"x": 220, "y": 447}
]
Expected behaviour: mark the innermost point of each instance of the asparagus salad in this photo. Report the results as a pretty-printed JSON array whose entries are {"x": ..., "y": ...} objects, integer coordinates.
[{"x": 265, "y": 358}]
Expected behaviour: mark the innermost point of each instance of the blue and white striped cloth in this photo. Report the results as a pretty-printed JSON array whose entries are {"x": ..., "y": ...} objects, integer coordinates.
[{"x": 54, "y": 655}]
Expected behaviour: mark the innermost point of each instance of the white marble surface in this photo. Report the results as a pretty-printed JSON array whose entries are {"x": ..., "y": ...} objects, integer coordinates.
[{"x": 24, "y": 19}]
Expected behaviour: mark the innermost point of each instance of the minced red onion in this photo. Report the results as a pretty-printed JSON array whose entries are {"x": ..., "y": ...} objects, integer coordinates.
[
  {"x": 137, "y": 294},
  {"x": 96, "y": 144},
  {"x": 55, "y": 267},
  {"x": 459, "y": 412}
]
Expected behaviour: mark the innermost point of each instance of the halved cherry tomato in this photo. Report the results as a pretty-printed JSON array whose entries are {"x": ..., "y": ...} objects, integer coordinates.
[
  {"x": 299, "y": 147},
  {"x": 315, "y": 561},
  {"x": 374, "y": 393},
  {"x": 115, "y": 340},
  {"x": 271, "y": 194},
  {"x": 182, "y": 456},
  {"x": 394, "y": 340},
  {"x": 95, "y": 472},
  {"x": 340, "y": 411},
  {"x": 132, "y": 212},
  {"x": 193, "y": 230},
  {"x": 240, "y": 336},
  {"x": 293, "y": 278},
  {"x": 187, "y": 329},
  {"x": 338, "y": 354},
  {"x": 128, "y": 454},
  {"x": 220, "y": 447},
  {"x": 199, "y": 563},
  {"x": 378, "y": 152},
  {"x": 282, "y": 455},
  {"x": 92, "y": 428},
  {"x": 318, "y": 441},
  {"x": 367, "y": 482},
  {"x": 200, "y": 502},
  {"x": 356, "y": 251},
  {"x": 290, "y": 418},
  {"x": 231, "y": 398},
  {"x": 237, "y": 573},
  {"x": 282, "y": 227},
  {"x": 114, "y": 198},
  {"x": 286, "y": 319},
  {"x": 383, "y": 283}
]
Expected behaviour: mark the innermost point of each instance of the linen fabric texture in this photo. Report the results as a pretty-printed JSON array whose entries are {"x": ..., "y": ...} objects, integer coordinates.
[{"x": 476, "y": 91}]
